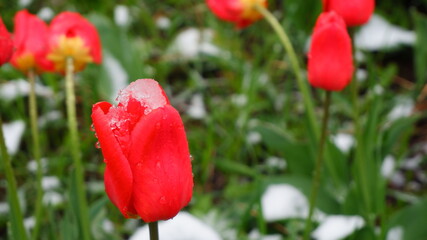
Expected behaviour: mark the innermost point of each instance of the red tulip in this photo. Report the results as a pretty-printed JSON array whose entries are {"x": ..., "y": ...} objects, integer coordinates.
[
  {"x": 240, "y": 12},
  {"x": 6, "y": 44},
  {"x": 31, "y": 35},
  {"x": 148, "y": 168},
  {"x": 354, "y": 12},
  {"x": 71, "y": 35},
  {"x": 330, "y": 59}
]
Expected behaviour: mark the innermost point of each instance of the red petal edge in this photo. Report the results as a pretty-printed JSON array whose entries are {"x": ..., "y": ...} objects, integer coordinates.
[{"x": 118, "y": 175}]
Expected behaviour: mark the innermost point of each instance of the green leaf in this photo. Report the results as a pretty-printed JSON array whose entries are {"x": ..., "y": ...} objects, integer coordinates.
[{"x": 413, "y": 221}]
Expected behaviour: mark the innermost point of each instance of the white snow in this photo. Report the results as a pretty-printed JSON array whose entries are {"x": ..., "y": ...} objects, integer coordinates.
[
  {"x": 387, "y": 168},
  {"x": 197, "y": 108},
  {"x": 276, "y": 162},
  {"x": 52, "y": 198},
  {"x": 24, "y": 3},
  {"x": 239, "y": 100},
  {"x": 49, "y": 117},
  {"x": 412, "y": 163},
  {"x": 46, "y": 13},
  {"x": 192, "y": 41},
  {"x": 283, "y": 201},
  {"x": 379, "y": 34},
  {"x": 96, "y": 186},
  {"x": 361, "y": 74},
  {"x": 403, "y": 109},
  {"x": 4, "y": 208},
  {"x": 343, "y": 141},
  {"x": 20, "y": 88},
  {"x": 336, "y": 227},
  {"x": 116, "y": 73},
  {"x": 182, "y": 227},
  {"x": 32, "y": 165},
  {"x": 108, "y": 226},
  {"x": 256, "y": 235},
  {"x": 398, "y": 179},
  {"x": 396, "y": 233},
  {"x": 163, "y": 22},
  {"x": 29, "y": 222},
  {"x": 13, "y": 134},
  {"x": 253, "y": 137},
  {"x": 121, "y": 15},
  {"x": 50, "y": 182}
]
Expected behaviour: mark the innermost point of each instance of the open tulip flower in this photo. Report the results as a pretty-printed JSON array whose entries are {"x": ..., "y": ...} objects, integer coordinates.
[
  {"x": 6, "y": 44},
  {"x": 148, "y": 167},
  {"x": 330, "y": 58},
  {"x": 30, "y": 40},
  {"x": 354, "y": 12},
  {"x": 240, "y": 12},
  {"x": 71, "y": 35}
]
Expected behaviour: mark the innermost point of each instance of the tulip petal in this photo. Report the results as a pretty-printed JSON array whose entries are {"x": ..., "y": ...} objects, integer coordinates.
[
  {"x": 161, "y": 165},
  {"x": 118, "y": 175}
]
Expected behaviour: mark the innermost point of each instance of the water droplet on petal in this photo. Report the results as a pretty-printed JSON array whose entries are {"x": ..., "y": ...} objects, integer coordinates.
[
  {"x": 191, "y": 158},
  {"x": 158, "y": 164},
  {"x": 158, "y": 125},
  {"x": 97, "y": 145},
  {"x": 139, "y": 165},
  {"x": 162, "y": 200},
  {"x": 92, "y": 127}
]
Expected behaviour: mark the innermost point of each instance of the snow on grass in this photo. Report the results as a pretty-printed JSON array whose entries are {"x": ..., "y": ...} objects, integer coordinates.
[
  {"x": 192, "y": 41},
  {"x": 50, "y": 182},
  {"x": 343, "y": 141},
  {"x": 395, "y": 233},
  {"x": 52, "y": 198},
  {"x": 32, "y": 165},
  {"x": 13, "y": 134},
  {"x": 388, "y": 166},
  {"x": 20, "y": 88},
  {"x": 163, "y": 22},
  {"x": 403, "y": 109},
  {"x": 117, "y": 74},
  {"x": 337, "y": 227},
  {"x": 283, "y": 201},
  {"x": 379, "y": 34},
  {"x": 196, "y": 109},
  {"x": 183, "y": 226},
  {"x": 122, "y": 15}
]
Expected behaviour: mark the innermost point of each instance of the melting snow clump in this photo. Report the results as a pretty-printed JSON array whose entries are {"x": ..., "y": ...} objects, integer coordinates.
[{"x": 337, "y": 227}]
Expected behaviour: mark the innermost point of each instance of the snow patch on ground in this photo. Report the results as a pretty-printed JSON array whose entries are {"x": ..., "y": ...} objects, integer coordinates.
[
  {"x": 191, "y": 42},
  {"x": 337, "y": 227},
  {"x": 197, "y": 109},
  {"x": 283, "y": 201},
  {"x": 32, "y": 165},
  {"x": 46, "y": 13},
  {"x": 343, "y": 141},
  {"x": 388, "y": 166},
  {"x": 121, "y": 15},
  {"x": 117, "y": 74},
  {"x": 401, "y": 110},
  {"x": 50, "y": 182},
  {"x": 379, "y": 34},
  {"x": 183, "y": 226},
  {"x": 395, "y": 233},
  {"x": 163, "y": 22},
  {"x": 52, "y": 198},
  {"x": 13, "y": 134},
  {"x": 20, "y": 88},
  {"x": 256, "y": 235}
]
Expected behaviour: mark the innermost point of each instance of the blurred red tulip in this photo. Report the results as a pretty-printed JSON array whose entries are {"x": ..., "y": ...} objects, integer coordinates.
[
  {"x": 30, "y": 40},
  {"x": 354, "y": 12},
  {"x": 6, "y": 44},
  {"x": 240, "y": 12},
  {"x": 71, "y": 35},
  {"x": 330, "y": 58},
  {"x": 148, "y": 167}
]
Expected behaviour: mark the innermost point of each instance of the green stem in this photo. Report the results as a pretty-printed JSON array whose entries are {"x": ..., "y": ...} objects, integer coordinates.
[
  {"x": 36, "y": 152},
  {"x": 154, "y": 230},
  {"x": 75, "y": 148},
  {"x": 319, "y": 163},
  {"x": 17, "y": 221},
  {"x": 302, "y": 85}
]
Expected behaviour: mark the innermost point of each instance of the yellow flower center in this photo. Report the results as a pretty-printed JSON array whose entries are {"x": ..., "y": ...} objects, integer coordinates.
[
  {"x": 25, "y": 62},
  {"x": 73, "y": 47},
  {"x": 249, "y": 11}
]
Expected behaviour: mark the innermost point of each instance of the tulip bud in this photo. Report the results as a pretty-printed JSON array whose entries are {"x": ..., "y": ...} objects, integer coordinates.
[
  {"x": 71, "y": 35},
  {"x": 330, "y": 58},
  {"x": 148, "y": 167},
  {"x": 30, "y": 36},
  {"x": 6, "y": 44},
  {"x": 240, "y": 12},
  {"x": 354, "y": 12}
]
